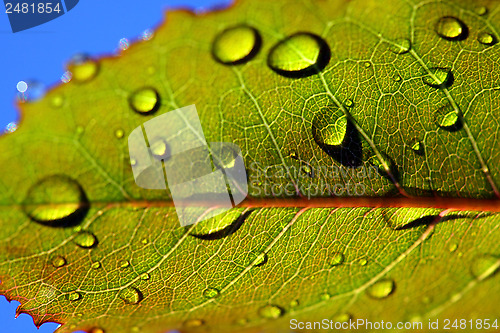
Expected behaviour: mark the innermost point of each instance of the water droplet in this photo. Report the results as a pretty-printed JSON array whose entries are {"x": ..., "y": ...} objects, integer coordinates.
[
  {"x": 417, "y": 146},
  {"x": 294, "y": 303},
  {"x": 144, "y": 241},
  {"x": 378, "y": 163},
  {"x": 294, "y": 155},
  {"x": 400, "y": 46},
  {"x": 66, "y": 77},
  {"x": 481, "y": 10},
  {"x": 130, "y": 295},
  {"x": 83, "y": 68},
  {"x": 119, "y": 133},
  {"x": 363, "y": 262},
  {"x": 448, "y": 118},
  {"x": 191, "y": 323},
  {"x": 123, "y": 44},
  {"x": 336, "y": 259},
  {"x": 80, "y": 129},
  {"x": 133, "y": 161},
  {"x": 325, "y": 297},
  {"x": 22, "y": 86},
  {"x": 220, "y": 226},
  {"x": 145, "y": 100},
  {"x": 484, "y": 266},
  {"x": 381, "y": 289},
  {"x": 329, "y": 127},
  {"x": 397, "y": 77},
  {"x": 58, "y": 261},
  {"x": 145, "y": 276},
  {"x": 123, "y": 263},
  {"x": 368, "y": 64},
  {"x": 300, "y": 55},
  {"x": 57, "y": 101},
  {"x": 211, "y": 293},
  {"x": 85, "y": 239},
  {"x": 32, "y": 91},
  {"x": 349, "y": 103},
  {"x": 96, "y": 265},
  {"x": 258, "y": 259},
  {"x": 11, "y": 127},
  {"x": 307, "y": 169},
  {"x": 56, "y": 201},
  {"x": 236, "y": 45},
  {"x": 452, "y": 247},
  {"x": 271, "y": 311},
  {"x": 160, "y": 149},
  {"x": 97, "y": 330},
  {"x": 342, "y": 318},
  {"x": 439, "y": 77},
  {"x": 451, "y": 28},
  {"x": 486, "y": 38},
  {"x": 74, "y": 296},
  {"x": 242, "y": 321},
  {"x": 147, "y": 34}
]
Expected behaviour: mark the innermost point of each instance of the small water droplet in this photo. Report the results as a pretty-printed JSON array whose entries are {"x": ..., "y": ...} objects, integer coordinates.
[
  {"x": 378, "y": 163},
  {"x": 396, "y": 78},
  {"x": 96, "y": 265},
  {"x": 57, "y": 101},
  {"x": 451, "y": 28},
  {"x": 147, "y": 34},
  {"x": 481, "y": 10},
  {"x": 97, "y": 330},
  {"x": 381, "y": 289},
  {"x": 145, "y": 276},
  {"x": 367, "y": 64},
  {"x": 211, "y": 293},
  {"x": 417, "y": 146},
  {"x": 486, "y": 38},
  {"x": 145, "y": 100},
  {"x": 133, "y": 162},
  {"x": 448, "y": 118},
  {"x": 123, "y": 263},
  {"x": 258, "y": 259},
  {"x": 85, "y": 239},
  {"x": 144, "y": 241},
  {"x": 349, "y": 103},
  {"x": 191, "y": 323},
  {"x": 400, "y": 46},
  {"x": 56, "y": 200},
  {"x": 294, "y": 155},
  {"x": 236, "y": 45},
  {"x": 123, "y": 44},
  {"x": 307, "y": 169},
  {"x": 66, "y": 77},
  {"x": 484, "y": 266},
  {"x": 452, "y": 247},
  {"x": 342, "y": 318},
  {"x": 160, "y": 149},
  {"x": 11, "y": 127},
  {"x": 58, "y": 261},
  {"x": 83, "y": 68},
  {"x": 271, "y": 311},
  {"x": 294, "y": 303},
  {"x": 439, "y": 77},
  {"x": 130, "y": 295},
  {"x": 363, "y": 262},
  {"x": 336, "y": 259},
  {"x": 119, "y": 133},
  {"x": 300, "y": 55},
  {"x": 74, "y": 296},
  {"x": 325, "y": 297}
]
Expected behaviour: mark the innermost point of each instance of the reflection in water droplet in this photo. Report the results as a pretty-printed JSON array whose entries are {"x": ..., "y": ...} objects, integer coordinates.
[
  {"x": 300, "y": 55},
  {"x": 481, "y": 10},
  {"x": 381, "y": 289},
  {"x": 342, "y": 318},
  {"x": 96, "y": 265},
  {"x": 123, "y": 263},
  {"x": 119, "y": 133},
  {"x": 145, "y": 276},
  {"x": 145, "y": 100},
  {"x": 58, "y": 261},
  {"x": 211, "y": 293},
  {"x": 130, "y": 295},
  {"x": 191, "y": 323},
  {"x": 439, "y": 77},
  {"x": 484, "y": 266},
  {"x": 56, "y": 201},
  {"x": 85, "y": 239},
  {"x": 486, "y": 38},
  {"x": 160, "y": 149},
  {"x": 74, "y": 296},
  {"x": 448, "y": 118},
  {"x": 83, "y": 68},
  {"x": 271, "y": 311},
  {"x": 236, "y": 45},
  {"x": 336, "y": 259},
  {"x": 451, "y": 28},
  {"x": 400, "y": 46}
]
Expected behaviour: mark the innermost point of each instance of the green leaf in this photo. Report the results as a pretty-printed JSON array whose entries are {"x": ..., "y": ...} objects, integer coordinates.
[{"x": 386, "y": 124}]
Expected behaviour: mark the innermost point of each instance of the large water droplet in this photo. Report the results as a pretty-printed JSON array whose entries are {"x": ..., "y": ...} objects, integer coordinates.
[
  {"x": 58, "y": 261},
  {"x": 130, "y": 295},
  {"x": 221, "y": 225},
  {"x": 83, "y": 68},
  {"x": 211, "y": 293},
  {"x": 300, "y": 55},
  {"x": 451, "y": 28},
  {"x": 236, "y": 45},
  {"x": 337, "y": 136},
  {"x": 85, "y": 239},
  {"x": 400, "y": 46},
  {"x": 56, "y": 201},
  {"x": 448, "y": 118},
  {"x": 271, "y": 311},
  {"x": 484, "y": 266},
  {"x": 336, "y": 259},
  {"x": 145, "y": 100},
  {"x": 74, "y": 296},
  {"x": 486, "y": 38},
  {"x": 439, "y": 77},
  {"x": 381, "y": 289}
]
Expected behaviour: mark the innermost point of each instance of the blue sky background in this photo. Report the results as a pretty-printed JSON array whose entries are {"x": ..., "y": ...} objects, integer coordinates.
[{"x": 93, "y": 27}]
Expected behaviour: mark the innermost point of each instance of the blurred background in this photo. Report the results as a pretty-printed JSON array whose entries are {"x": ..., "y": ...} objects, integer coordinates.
[{"x": 38, "y": 56}]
